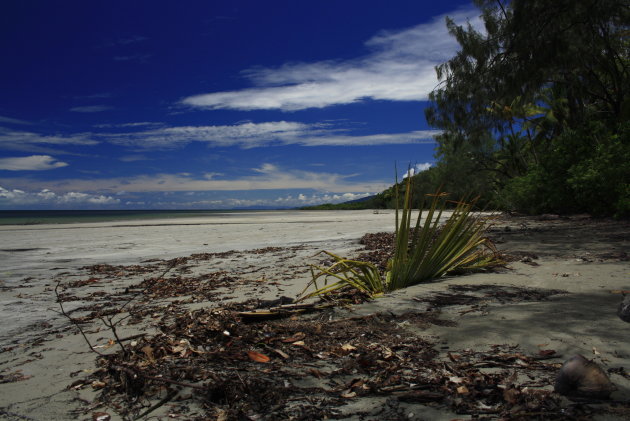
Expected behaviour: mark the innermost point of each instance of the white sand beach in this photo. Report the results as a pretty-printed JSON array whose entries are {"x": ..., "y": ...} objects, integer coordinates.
[{"x": 584, "y": 261}]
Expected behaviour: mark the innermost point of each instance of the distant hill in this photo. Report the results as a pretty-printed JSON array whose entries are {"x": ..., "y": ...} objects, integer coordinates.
[{"x": 369, "y": 202}]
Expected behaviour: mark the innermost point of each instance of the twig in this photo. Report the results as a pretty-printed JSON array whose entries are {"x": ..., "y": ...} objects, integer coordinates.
[
  {"x": 132, "y": 337},
  {"x": 159, "y": 379},
  {"x": 110, "y": 324},
  {"x": 167, "y": 398},
  {"x": 171, "y": 264},
  {"x": 74, "y": 322}
]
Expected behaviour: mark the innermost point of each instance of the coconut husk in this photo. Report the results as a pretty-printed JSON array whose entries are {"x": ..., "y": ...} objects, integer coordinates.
[{"x": 581, "y": 377}]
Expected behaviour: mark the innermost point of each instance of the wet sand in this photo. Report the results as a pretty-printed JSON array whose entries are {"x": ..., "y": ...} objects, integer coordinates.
[{"x": 584, "y": 262}]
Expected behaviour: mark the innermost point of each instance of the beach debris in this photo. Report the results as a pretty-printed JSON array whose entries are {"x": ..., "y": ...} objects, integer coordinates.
[
  {"x": 236, "y": 360},
  {"x": 15, "y": 376},
  {"x": 101, "y": 416},
  {"x": 624, "y": 309},
  {"x": 347, "y": 359},
  {"x": 275, "y": 303},
  {"x": 258, "y": 357},
  {"x": 581, "y": 377}
]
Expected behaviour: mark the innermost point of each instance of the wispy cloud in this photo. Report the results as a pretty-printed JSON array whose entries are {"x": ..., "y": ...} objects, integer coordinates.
[
  {"x": 30, "y": 163},
  {"x": 45, "y": 197},
  {"x": 265, "y": 177},
  {"x": 134, "y": 57},
  {"x": 133, "y": 158},
  {"x": 91, "y": 108},
  {"x": 400, "y": 67},
  {"x": 127, "y": 125},
  {"x": 244, "y": 135},
  {"x": 251, "y": 135},
  {"x": 9, "y": 120},
  {"x": 19, "y": 140}
]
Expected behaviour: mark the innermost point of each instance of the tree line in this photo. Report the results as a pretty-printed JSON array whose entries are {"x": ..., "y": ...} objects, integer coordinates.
[{"x": 534, "y": 109}]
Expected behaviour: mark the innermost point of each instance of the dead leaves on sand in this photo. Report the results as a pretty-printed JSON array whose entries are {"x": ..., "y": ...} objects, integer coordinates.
[{"x": 308, "y": 369}]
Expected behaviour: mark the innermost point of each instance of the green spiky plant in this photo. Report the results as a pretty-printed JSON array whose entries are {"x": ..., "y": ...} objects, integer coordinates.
[
  {"x": 425, "y": 253},
  {"x": 431, "y": 250}
]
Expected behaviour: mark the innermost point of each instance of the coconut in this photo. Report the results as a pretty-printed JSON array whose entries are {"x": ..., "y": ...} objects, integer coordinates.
[
  {"x": 624, "y": 309},
  {"x": 580, "y": 377}
]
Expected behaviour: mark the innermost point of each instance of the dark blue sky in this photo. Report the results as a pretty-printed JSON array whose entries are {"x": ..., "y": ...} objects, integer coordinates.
[{"x": 214, "y": 104}]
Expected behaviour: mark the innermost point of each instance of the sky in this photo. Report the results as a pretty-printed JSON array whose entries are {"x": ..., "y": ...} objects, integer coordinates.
[{"x": 215, "y": 104}]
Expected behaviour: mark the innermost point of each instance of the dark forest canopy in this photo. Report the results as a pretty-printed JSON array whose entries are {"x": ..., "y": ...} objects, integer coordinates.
[{"x": 534, "y": 109}]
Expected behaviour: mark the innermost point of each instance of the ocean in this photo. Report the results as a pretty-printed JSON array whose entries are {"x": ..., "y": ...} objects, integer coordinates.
[{"x": 35, "y": 217}]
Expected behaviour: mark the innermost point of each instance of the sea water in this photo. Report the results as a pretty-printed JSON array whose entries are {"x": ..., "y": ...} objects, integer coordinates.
[{"x": 35, "y": 217}]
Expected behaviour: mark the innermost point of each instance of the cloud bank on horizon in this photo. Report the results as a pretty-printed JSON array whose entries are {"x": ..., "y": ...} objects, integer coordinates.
[{"x": 276, "y": 140}]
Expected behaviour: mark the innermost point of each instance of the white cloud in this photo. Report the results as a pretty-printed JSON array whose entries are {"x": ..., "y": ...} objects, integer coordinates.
[
  {"x": 31, "y": 163},
  {"x": 320, "y": 198},
  {"x": 266, "y": 177},
  {"x": 91, "y": 108},
  {"x": 244, "y": 135},
  {"x": 417, "y": 169},
  {"x": 250, "y": 135},
  {"x": 13, "y": 139},
  {"x": 400, "y": 67},
  {"x": 284, "y": 201},
  {"x": 17, "y": 197}
]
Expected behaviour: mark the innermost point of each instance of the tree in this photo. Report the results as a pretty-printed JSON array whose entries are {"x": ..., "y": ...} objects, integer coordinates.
[{"x": 541, "y": 80}]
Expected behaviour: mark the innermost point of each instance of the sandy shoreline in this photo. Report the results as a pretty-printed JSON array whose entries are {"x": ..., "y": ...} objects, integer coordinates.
[{"x": 584, "y": 260}]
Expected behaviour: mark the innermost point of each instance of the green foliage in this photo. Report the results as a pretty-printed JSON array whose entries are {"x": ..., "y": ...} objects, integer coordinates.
[
  {"x": 581, "y": 173},
  {"x": 425, "y": 253},
  {"x": 354, "y": 205},
  {"x": 534, "y": 111},
  {"x": 431, "y": 250},
  {"x": 360, "y": 276}
]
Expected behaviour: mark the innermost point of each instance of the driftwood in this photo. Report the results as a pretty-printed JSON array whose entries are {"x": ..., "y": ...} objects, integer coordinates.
[{"x": 285, "y": 310}]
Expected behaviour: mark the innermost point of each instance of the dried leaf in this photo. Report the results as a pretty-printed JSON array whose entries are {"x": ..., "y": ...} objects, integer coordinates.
[
  {"x": 348, "y": 347},
  {"x": 97, "y": 384},
  {"x": 281, "y": 353},
  {"x": 463, "y": 390},
  {"x": 258, "y": 357},
  {"x": 387, "y": 353},
  {"x": 101, "y": 416},
  {"x": 546, "y": 352},
  {"x": 348, "y": 394},
  {"x": 296, "y": 337},
  {"x": 148, "y": 351},
  {"x": 511, "y": 395},
  {"x": 222, "y": 415}
]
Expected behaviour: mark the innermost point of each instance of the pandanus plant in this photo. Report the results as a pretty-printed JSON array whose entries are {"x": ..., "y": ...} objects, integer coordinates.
[{"x": 427, "y": 252}]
